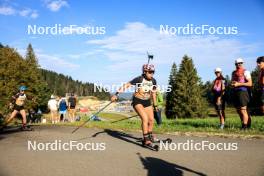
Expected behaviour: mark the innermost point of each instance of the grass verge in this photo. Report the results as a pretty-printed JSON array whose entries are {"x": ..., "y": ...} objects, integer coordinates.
[{"x": 202, "y": 127}]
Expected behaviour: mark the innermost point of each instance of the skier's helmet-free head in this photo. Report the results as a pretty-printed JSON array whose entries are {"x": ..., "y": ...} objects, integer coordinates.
[
  {"x": 148, "y": 68},
  {"x": 22, "y": 88},
  {"x": 260, "y": 59}
]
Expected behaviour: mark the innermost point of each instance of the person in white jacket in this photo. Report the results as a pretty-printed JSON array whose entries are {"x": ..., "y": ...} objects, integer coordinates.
[{"x": 53, "y": 107}]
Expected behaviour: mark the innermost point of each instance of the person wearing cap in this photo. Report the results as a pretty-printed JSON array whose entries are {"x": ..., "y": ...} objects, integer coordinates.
[
  {"x": 218, "y": 90},
  {"x": 53, "y": 107},
  {"x": 241, "y": 82},
  {"x": 17, "y": 104},
  {"x": 260, "y": 62}
]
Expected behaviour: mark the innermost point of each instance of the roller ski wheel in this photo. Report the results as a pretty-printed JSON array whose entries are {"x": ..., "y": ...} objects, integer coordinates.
[
  {"x": 150, "y": 146},
  {"x": 26, "y": 128}
]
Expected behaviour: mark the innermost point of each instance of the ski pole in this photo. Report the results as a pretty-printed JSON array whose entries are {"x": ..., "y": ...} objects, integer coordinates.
[
  {"x": 124, "y": 119},
  {"x": 91, "y": 117}
]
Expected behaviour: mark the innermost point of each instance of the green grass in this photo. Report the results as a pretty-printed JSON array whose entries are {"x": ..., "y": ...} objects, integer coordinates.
[{"x": 208, "y": 126}]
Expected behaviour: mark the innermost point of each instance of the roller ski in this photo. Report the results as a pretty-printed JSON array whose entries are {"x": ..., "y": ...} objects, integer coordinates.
[
  {"x": 168, "y": 140},
  {"x": 156, "y": 140},
  {"x": 146, "y": 143},
  {"x": 2, "y": 128},
  {"x": 26, "y": 128}
]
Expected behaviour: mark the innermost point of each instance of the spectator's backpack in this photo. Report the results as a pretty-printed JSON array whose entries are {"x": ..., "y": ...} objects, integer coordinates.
[{"x": 62, "y": 105}]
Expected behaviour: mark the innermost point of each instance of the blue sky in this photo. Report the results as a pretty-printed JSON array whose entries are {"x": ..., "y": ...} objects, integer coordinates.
[{"x": 132, "y": 28}]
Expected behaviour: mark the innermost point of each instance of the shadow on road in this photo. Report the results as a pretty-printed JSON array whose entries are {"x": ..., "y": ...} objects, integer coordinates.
[
  {"x": 158, "y": 167},
  {"x": 123, "y": 136},
  {"x": 10, "y": 130},
  {"x": 154, "y": 166}
]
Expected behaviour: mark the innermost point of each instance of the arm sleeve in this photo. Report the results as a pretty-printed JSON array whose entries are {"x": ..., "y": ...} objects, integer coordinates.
[
  {"x": 247, "y": 75},
  {"x": 135, "y": 80}
]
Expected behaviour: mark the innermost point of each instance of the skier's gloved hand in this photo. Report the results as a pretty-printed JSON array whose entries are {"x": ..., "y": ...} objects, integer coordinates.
[
  {"x": 114, "y": 97},
  {"x": 11, "y": 106}
]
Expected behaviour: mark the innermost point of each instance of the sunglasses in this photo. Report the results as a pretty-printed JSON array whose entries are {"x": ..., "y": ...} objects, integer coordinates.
[
  {"x": 217, "y": 72},
  {"x": 150, "y": 72},
  {"x": 240, "y": 63}
]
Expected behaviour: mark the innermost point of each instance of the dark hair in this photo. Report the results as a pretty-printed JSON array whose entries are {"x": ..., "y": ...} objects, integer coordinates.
[
  {"x": 221, "y": 77},
  {"x": 260, "y": 59}
]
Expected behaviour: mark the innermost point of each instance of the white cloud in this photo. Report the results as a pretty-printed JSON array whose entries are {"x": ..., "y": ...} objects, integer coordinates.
[
  {"x": 55, "y": 63},
  {"x": 56, "y": 5},
  {"x": 34, "y": 14},
  {"x": 5, "y": 10},
  {"x": 50, "y": 62},
  {"x": 27, "y": 12},
  {"x": 127, "y": 49},
  {"x": 74, "y": 56},
  {"x": 86, "y": 54}
]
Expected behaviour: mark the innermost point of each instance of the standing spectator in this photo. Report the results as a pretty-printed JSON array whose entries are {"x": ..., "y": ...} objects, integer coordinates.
[
  {"x": 72, "y": 101},
  {"x": 241, "y": 82},
  {"x": 218, "y": 90},
  {"x": 260, "y": 62},
  {"x": 53, "y": 107},
  {"x": 63, "y": 108},
  {"x": 158, "y": 110}
]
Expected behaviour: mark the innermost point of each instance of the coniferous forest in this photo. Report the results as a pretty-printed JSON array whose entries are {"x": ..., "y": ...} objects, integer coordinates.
[{"x": 17, "y": 70}]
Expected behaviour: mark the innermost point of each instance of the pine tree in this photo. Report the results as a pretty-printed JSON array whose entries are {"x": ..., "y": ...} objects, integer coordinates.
[
  {"x": 38, "y": 91},
  {"x": 189, "y": 92},
  {"x": 11, "y": 63},
  {"x": 208, "y": 94},
  {"x": 171, "y": 101}
]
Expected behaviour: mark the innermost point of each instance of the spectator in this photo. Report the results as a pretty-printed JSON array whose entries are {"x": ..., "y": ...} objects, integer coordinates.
[
  {"x": 53, "y": 107},
  {"x": 158, "y": 110},
  {"x": 72, "y": 107},
  {"x": 218, "y": 90},
  {"x": 241, "y": 82},
  {"x": 63, "y": 108},
  {"x": 260, "y": 62}
]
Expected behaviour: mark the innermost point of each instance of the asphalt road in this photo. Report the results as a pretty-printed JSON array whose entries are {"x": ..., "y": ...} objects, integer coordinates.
[{"x": 111, "y": 152}]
